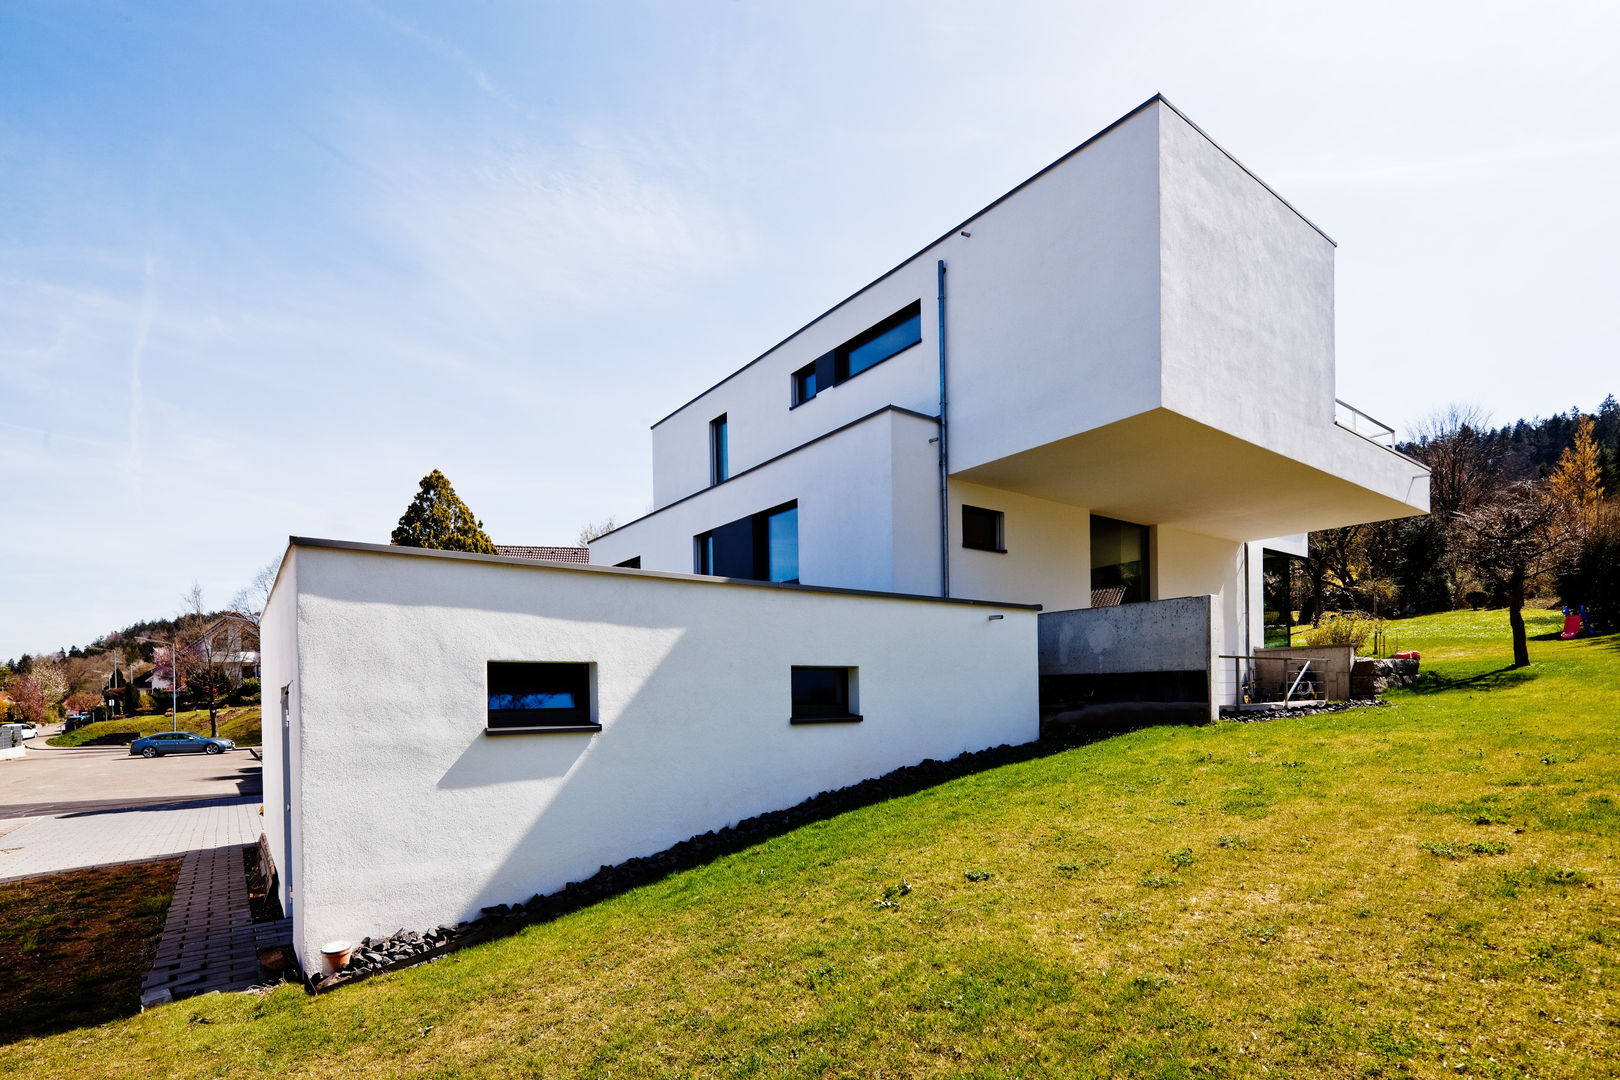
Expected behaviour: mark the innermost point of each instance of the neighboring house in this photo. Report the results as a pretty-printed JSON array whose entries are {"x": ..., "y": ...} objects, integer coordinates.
[
  {"x": 1107, "y": 395},
  {"x": 545, "y": 554},
  {"x": 233, "y": 642}
]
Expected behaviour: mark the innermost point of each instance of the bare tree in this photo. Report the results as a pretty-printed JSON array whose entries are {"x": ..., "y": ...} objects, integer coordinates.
[
  {"x": 250, "y": 600},
  {"x": 201, "y": 656},
  {"x": 593, "y": 529},
  {"x": 1462, "y": 478},
  {"x": 1513, "y": 537}
]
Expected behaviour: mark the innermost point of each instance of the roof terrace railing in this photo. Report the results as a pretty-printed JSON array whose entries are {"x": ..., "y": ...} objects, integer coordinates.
[{"x": 1354, "y": 420}]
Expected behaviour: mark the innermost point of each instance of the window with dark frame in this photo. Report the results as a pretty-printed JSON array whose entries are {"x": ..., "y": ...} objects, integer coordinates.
[
  {"x": 982, "y": 529},
  {"x": 719, "y": 451},
  {"x": 821, "y": 695},
  {"x": 759, "y": 547},
  {"x": 867, "y": 349},
  {"x": 539, "y": 696},
  {"x": 1119, "y": 561}
]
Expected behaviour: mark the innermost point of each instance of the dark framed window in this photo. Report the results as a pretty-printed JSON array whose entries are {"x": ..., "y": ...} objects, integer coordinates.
[
  {"x": 759, "y": 547},
  {"x": 982, "y": 529},
  {"x": 539, "y": 697},
  {"x": 719, "y": 450},
  {"x": 867, "y": 349},
  {"x": 822, "y": 695},
  {"x": 632, "y": 563},
  {"x": 804, "y": 384},
  {"x": 1119, "y": 561}
]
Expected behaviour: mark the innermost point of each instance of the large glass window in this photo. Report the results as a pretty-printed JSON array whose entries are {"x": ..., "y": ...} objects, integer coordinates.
[
  {"x": 1119, "y": 562},
  {"x": 760, "y": 547}
]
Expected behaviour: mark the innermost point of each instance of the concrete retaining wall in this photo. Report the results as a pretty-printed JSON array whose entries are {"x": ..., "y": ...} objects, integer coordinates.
[{"x": 1160, "y": 652}]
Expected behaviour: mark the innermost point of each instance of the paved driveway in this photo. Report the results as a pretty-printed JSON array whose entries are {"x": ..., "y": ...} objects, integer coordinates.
[
  {"x": 63, "y": 809},
  {"x": 51, "y": 780}
]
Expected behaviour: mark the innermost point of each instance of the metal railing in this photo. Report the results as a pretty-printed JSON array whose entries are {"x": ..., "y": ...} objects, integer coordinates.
[{"x": 1354, "y": 420}]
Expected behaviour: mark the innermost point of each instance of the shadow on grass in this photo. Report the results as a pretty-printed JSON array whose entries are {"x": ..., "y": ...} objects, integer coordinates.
[
  {"x": 1503, "y": 678},
  {"x": 503, "y": 920}
]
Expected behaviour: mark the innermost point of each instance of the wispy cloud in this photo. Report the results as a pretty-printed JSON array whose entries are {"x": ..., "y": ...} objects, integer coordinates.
[
  {"x": 444, "y": 49},
  {"x": 519, "y": 233},
  {"x": 137, "y": 350}
]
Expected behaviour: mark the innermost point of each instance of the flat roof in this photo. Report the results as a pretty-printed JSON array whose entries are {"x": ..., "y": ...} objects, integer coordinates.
[
  {"x": 665, "y": 575},
  {"x": 1156, "y": 99}
]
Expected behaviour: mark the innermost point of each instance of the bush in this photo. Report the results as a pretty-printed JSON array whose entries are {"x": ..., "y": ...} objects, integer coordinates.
[
  {"x": 1593, "y": 581},
  {"x": 246, "y": 694},
  {"x": 1347, "y": 628}
]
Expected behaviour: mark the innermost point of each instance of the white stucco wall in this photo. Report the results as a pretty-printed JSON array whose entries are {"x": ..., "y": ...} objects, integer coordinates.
[
  {"x": 1191, "y": 564},
  {"x": 1048, "y": 556},
  {"x": 412, "y": 816},
  {"x": 278, "y": 643},
  {"x": 868, "y": 499}
]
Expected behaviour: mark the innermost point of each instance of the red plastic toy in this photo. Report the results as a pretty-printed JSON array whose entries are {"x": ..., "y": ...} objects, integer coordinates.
[{"x": 1412, "y": 655}]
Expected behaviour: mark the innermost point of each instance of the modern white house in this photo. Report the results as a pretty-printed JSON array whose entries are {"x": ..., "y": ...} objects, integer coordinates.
[{"x": 1104, "y": 396}]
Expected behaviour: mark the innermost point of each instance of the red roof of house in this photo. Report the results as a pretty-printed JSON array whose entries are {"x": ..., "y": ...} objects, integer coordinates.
[{"x": 545, "y": 554}]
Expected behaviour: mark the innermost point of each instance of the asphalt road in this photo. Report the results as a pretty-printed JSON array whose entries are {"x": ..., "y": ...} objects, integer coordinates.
[{"x": 51, "y": 780}]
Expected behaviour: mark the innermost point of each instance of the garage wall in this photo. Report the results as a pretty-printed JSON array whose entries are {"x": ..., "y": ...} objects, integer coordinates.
[{"x": 413, "y": 816}]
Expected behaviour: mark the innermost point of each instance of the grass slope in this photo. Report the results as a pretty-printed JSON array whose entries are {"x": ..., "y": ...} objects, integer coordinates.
[
  {"x": 1415, "y": 890},
  {"x": 240, "y": 724}
]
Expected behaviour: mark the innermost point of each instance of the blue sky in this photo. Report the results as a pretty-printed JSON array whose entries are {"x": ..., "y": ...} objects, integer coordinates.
[{"x": 262, "y": 266}]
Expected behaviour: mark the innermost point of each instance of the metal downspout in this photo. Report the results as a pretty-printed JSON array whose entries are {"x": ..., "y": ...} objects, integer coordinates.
[{"x": 944, "y": 455}]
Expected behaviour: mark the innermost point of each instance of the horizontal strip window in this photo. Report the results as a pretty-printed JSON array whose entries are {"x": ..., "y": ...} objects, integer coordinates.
[
  {"x": 867, "y": 349},
  {"x": 539, "y": 696}
]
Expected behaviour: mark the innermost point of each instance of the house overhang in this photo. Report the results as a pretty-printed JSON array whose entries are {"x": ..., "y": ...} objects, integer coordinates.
[{"x": 1161, "y": 468}]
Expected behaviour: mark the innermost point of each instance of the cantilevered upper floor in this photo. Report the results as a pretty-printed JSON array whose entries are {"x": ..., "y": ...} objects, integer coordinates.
[{"x": 1144, "y": 328}]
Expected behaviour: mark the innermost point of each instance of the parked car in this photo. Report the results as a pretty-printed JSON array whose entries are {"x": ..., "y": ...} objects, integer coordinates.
[
  {"x": 29, "y": 731},
  {"x": 178, "y": 742}
]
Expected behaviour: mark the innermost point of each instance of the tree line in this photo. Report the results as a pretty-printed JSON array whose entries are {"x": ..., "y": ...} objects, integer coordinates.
[{"x": 1518, "y": 513}]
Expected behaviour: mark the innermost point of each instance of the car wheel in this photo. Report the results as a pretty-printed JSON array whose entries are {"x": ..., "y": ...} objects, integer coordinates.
[
  {"x": 148, "y": 751},
  {"x": 211, "y": 748}
]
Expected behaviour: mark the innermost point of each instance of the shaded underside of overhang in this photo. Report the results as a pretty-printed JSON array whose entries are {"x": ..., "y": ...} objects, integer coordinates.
[{"x": 1160, "y": 468}]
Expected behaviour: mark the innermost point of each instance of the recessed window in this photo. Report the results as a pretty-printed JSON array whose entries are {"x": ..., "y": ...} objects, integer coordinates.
[
  {"x": 632, "y": 563},
  {"x": 824, "y": 695},
  {"x": 539, "y": 697},
  {"x": 1119, "y": 560},
  {"x": 760, "y": 547},
  {"x": 804, "y": 384},
  {"x": 867, "y": 349},
  {"x": 719, "y": 450},
  {"x": 982, "y": 529}
]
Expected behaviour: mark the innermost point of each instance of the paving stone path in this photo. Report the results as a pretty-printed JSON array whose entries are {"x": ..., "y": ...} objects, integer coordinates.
[
  {"x": 69, "y": 841},
  {"x": 210, "y": 941}
]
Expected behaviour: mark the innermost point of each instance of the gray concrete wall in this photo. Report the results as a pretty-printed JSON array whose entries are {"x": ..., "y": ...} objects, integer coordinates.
[{"x": 1164, "y": 635}]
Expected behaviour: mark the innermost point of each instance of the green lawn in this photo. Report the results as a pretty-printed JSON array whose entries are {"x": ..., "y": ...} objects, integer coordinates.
[
  {"x": 1420, "y": 890},
  {"x": 238, "y": 723}
]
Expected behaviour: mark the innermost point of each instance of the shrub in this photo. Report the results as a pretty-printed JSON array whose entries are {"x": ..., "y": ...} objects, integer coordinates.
[
  {"x": 246, "y": 694},
  {"x": 1347, "y": 628},
  {"x": 1593, "y": 580}
]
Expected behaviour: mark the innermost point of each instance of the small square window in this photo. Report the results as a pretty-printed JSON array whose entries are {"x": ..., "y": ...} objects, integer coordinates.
[
  {"x": 982, "y": 529},
  {"x": 539, "y": 696},
  {"x": 824, "y": 695}
]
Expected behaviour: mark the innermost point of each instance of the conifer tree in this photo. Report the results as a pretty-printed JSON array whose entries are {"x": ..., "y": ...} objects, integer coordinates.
[{"x": 437, "y": 518}]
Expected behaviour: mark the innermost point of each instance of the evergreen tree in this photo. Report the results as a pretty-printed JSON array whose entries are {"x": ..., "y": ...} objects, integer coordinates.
[
  {"x": 1577, "y": 482},
  {"x": 437, "y": 518}
]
